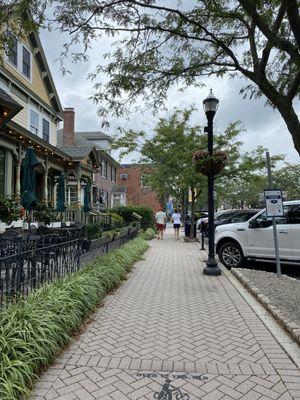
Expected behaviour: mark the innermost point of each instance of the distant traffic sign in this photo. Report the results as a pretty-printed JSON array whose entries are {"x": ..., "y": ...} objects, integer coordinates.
[{"x": 273, "y": 199}]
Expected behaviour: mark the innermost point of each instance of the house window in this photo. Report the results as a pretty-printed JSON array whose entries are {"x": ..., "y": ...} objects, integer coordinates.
[
  {"x": 13, "y": 49},
  {"x": 72, "y": 195},
  {"x": 19, "y": 55},
  {"x": 26, "y": 62},
  {"x": 2, "y": 171},
  {"x": 113, "y": 174},
  {"x": 104, "y": 168},
  {"x": 46, "y": 130},
  {"x": 145, "y": 181},
  {"x": 34, "y": 122}
]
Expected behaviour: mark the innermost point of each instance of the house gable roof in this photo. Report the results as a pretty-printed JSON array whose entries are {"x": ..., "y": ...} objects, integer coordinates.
[
  {"x": 10, "y": 104},
  {"x": 94, "y": 135},
  {"x": 79, "y": 153},
  {"x": 40, "y": 57}
]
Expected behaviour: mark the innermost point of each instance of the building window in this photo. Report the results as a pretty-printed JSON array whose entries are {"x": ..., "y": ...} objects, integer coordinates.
[
  {"x": 104, "y": 168},
  {"x": 145, "y": 184},
  {"x": 113, "y": 174},
  {"x": 19, "y": 56},
  {"x": 34, "y": 122},
  {"x": 103, "y": 198},
  {"x": 46, "y": 130},
  {"x": 26, "y": 62},
  {"x": 13, "y": 49},
  {"x": 72, "y": 195},
  {"x": 2, "y": 171}
]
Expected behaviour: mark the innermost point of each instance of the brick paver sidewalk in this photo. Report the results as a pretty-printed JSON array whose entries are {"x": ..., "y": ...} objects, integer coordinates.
[{"x": 172, "y": 333}]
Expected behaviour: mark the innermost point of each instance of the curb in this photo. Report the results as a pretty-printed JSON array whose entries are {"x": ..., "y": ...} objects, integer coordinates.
[{"x": 292, "y": 328}]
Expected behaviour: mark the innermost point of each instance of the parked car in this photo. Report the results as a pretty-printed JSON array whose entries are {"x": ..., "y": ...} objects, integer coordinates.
[
  {"x": 203, "y": 217},
  {"x": 227, "y": 217},
  {"x": 236, "y": 216},
  {"x": 254, "y": 240}
]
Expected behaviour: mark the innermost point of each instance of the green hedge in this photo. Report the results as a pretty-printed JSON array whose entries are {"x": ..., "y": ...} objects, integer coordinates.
[
  {"x": 148, "y": 234},
  {"x": 33, "y": 331},
  {"x": 145, "y": 212}
]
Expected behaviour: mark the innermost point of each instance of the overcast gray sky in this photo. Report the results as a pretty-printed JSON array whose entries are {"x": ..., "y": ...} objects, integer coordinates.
[{"x": 263, "y": 125}]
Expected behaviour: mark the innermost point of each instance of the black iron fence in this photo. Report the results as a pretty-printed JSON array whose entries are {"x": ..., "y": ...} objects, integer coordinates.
[{"x": 28, "y": 263}]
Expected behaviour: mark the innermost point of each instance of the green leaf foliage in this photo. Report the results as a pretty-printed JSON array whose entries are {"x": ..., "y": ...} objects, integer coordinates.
[
  {"x": 10, "y": 209},
  {"x": 149, "y": 234},
  {"x": 34, "y": 330},
  {"x": 166, "y": 43},
  {"x": 126, "y": 213}
]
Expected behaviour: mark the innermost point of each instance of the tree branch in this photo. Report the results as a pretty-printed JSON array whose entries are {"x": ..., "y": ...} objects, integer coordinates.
[
  {"x": 275, "y": 40},
  {"x": 253, "y": 49},
  {"x": 294, "y": 87},
  {"x": 292, "y": 8},
  {"x": 267, "y": 50}
]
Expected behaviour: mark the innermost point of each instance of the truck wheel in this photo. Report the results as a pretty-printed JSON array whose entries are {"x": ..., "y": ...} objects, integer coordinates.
[{"x": 231, "y": 255}]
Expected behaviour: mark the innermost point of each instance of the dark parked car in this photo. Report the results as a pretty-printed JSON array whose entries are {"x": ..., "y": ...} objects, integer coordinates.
[
  {"x": 236, "y": 216},
  {"x": 229, "y": 217}
]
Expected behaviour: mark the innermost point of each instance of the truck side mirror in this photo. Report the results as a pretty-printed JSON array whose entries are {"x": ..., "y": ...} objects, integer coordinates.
[{"x": 252, "y": 224}]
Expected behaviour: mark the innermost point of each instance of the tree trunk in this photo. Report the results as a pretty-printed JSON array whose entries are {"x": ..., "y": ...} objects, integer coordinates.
[
  {"x": 285, "y": 108},
  {"x": 291, "y": 119},
  {"x": 192, "y": 213}
]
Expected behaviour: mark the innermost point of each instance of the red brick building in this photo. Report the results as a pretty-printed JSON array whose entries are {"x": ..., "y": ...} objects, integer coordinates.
[{"x": 134, "y": 178}]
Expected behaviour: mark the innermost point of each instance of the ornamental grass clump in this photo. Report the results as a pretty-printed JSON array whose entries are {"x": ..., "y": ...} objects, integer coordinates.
[{"x": 35, "y": 330}]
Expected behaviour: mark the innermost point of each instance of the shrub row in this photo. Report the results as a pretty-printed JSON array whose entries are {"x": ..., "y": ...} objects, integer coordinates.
[
  {"x": 146, "y": 213},
  {"x": 34, "y": 330},
  {"x": 148, "y": 234}
]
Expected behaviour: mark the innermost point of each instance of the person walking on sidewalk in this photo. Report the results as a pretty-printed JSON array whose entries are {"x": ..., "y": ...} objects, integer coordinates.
[
  {"x": 176, "y": 219},
  {"x": 160, "y": 219}
]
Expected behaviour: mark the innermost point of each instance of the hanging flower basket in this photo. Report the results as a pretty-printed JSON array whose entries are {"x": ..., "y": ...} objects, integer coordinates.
[{"x": 206, "y": 164}]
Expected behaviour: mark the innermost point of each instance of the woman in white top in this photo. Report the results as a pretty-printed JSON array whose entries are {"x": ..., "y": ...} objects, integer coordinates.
[{"x": 176, "y": 219}]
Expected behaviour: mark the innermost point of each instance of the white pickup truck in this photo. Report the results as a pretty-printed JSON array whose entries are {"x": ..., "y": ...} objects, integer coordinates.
[{"x": 254, "y": 239}]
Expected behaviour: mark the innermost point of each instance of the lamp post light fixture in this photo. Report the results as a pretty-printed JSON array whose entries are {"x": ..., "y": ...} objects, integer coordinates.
[{"x": 210, "y": 105}]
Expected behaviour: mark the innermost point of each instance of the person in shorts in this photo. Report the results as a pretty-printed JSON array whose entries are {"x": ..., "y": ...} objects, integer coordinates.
[
  {"x": 160, "y": 219},
  {"x": 176, "y": 219}
]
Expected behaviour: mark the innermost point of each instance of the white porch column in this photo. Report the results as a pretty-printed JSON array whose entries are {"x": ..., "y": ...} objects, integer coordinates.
[
  {"x": 78, "y": 176},
  {"x": 45, "y": 181},
  {"x": 8, "y": 172},
  {"x": 18, "y": 172}
]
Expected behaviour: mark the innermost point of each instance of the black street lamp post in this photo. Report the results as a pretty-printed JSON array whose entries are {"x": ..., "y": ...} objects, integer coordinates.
[{"x": 210, "y": 105}]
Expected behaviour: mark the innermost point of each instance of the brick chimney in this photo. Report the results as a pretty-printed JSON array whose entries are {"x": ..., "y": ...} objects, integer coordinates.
[{"x": 69, "y": 127}]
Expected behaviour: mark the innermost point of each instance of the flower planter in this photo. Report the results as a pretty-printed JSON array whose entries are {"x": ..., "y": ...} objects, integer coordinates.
[
  {"x": 2, "y": 227},
  {"x": 208, "y": 167},
  {"x": 206, "y": 164}
]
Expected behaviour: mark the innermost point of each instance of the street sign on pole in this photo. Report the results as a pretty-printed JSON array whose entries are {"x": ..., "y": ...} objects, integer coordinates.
[{"x": 273, "y": 199}]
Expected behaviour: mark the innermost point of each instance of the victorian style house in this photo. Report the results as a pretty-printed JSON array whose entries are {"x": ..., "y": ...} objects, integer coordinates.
[{"x": 30, "y": 112}]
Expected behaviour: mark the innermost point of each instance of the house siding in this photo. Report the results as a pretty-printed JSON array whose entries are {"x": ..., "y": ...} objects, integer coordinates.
[
  {"x": 36, "y": 84},
  {"x": 22, "y": 118}
]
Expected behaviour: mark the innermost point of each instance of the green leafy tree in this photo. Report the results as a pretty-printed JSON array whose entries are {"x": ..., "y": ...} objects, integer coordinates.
[
  {"x": 170, "y": 149},
  {"x": 20, "y": 18},
  {"x": 287, "y": 178},
  {"x": 247, "y": 179},
  {"x": 163, "y": 43}
]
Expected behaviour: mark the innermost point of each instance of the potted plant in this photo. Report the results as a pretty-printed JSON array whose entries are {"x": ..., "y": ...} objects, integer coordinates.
[
  {"x": 45, "y": 213},
  {"x": 10, "y": 209},
  {"x": 206, "y": 164}
]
